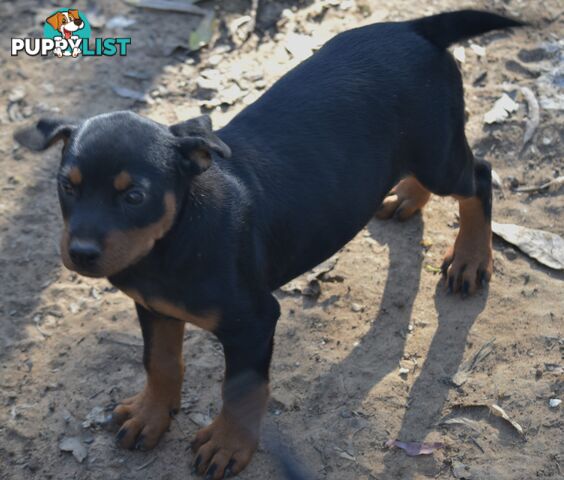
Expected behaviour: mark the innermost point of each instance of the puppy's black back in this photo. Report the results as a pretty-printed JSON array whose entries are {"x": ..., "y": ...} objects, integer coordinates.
[{"x": 340, "y": 130}]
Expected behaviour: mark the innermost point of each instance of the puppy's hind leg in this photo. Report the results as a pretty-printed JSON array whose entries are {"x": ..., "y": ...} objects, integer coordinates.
[
  {"x": 404, "y": 200},
  {"x": 468, "y": 263}
]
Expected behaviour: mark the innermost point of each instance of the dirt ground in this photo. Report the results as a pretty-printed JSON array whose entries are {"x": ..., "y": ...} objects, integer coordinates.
[{"x": 69, "y": 345}]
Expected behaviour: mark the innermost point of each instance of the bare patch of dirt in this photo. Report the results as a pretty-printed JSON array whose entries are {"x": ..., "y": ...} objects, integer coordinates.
[{"x": 69, "y": 345}]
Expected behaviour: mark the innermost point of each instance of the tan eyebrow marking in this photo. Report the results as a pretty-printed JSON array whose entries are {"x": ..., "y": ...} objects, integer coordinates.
[
  {"x": 75, "y": 176},
  {"x": 122, "y": 181}
]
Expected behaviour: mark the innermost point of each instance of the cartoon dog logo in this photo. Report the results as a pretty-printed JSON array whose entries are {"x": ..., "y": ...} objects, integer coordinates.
[{"x": 66, "y": 23}]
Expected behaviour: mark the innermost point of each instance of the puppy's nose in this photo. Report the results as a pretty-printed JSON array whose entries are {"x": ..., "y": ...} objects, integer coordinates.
[
  {"x": 84, "y": 252},
  {"x": 78, "y": 22}
]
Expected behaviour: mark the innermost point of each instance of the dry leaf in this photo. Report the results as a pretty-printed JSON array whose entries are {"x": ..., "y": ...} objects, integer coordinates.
[
  {"x": 300, "y": 46},
  {"x": 125, "y": 92},
  {"x": 466, "y": 368},
  {"x": 533, "y": 114},
  {"x": 545, "y": 247},
  {"x": 74, "y": 445},
  {"x": 200, "y": 419},
  {"x": 460, "y": 54},
  {"x": 203, "y": 34},
  {"x": 499, "y": 412},
  {"x": 415, "y": 448},
  {"x": 473, "y": 424},
  {"x": 501, "y": 109}
]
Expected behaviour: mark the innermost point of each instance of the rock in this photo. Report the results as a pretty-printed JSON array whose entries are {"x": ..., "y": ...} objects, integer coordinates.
[{"x": 355, "y": 307}]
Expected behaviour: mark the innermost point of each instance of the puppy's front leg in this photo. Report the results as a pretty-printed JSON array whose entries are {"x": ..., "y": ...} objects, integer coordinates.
[
  {"x": 146, "y": 416},
  {"x": 225, "y": 447}
]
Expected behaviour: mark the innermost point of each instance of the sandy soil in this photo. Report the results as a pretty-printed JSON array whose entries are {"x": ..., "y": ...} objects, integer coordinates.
[{"x": 69, "y": 345}]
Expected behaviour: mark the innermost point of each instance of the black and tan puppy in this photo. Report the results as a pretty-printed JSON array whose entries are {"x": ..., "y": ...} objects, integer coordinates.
[{"x": 200, "y": 226}]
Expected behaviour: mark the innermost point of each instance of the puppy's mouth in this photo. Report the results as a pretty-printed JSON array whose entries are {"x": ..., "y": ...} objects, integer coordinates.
[
  {"x": 67, "y": 34},
  {"x": 92, "y": 271},
  {"x": 87, "y": 272}
]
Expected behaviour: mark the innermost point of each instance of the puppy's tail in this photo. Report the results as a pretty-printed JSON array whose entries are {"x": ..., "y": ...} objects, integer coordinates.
[{"x": 447, "y": 28}]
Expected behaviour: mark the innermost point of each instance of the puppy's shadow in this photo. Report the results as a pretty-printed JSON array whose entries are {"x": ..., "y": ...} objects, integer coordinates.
[
  {"x": 381, "y": 348},
  {"x": 430, "y": 391}
]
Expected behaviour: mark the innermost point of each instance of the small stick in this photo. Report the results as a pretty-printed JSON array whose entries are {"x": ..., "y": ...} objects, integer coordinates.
[
  {"x": 533, "y": 115},
  {"x": 145, "y": 465}
]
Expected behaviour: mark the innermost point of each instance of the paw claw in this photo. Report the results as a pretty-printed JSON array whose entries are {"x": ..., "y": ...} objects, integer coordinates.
[
  {"x": 211, "y": 472},
  {"x": 224, "y": 448},
  {"x": 140, "y": 443},
  {"x": 467, "y": 268},
  {"x": 444, "y": 268},
  {"x": 122, "y": 433},
  {"x": 398, "y": 214},
  {"x": 465, "y": 288},
  {"x": 229, "y": 469},
  {"x": 143, "y": 419}
]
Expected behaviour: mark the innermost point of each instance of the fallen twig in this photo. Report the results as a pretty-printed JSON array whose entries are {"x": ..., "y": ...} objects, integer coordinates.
[
  {"x": 146, "y": 464},
  {"x": 553, "y": 185},
  {"x": 533, "y": 115},
  {"x": 464, "y": 371}
]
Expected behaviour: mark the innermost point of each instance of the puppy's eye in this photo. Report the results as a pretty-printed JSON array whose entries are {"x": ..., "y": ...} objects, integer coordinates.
[
  {"x": 64, "y": 21},
  {"x": 134, "y": 197},
  {"x": 67, "y": 187}
]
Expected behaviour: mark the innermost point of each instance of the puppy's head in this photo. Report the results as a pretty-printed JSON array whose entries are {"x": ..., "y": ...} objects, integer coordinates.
[
  {"x": 120, "y": 181},
  {"x": 66, "y": 22}
]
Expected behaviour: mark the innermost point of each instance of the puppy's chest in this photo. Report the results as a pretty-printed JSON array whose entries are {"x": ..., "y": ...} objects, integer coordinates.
[{"x": 168, "y": 302}]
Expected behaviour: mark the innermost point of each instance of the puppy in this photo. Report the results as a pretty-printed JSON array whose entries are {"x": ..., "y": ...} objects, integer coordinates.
[
  {"x": 201, "y": 226},
  {"x": 66, "y": 23}
]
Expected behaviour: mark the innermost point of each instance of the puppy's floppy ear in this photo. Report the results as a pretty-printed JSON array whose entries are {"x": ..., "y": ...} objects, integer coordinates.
[
  {"x": 45, "y": 133},
  {"x": 74, "y": 14},
  {"x": 196, "y": 142},
  {"x": 55, "y": 20}
]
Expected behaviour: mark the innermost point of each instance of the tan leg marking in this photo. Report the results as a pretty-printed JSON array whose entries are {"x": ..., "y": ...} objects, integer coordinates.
[
  {"x": 468, "y": 264},
  {"x": 406, "y": 198},
  {"x": 146, "y": 416},
  {"x": 227, "y": 445}
]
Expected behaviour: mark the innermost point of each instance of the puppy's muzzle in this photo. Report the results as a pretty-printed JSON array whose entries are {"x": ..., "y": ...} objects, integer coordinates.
[{"x": 84, "y": 253}]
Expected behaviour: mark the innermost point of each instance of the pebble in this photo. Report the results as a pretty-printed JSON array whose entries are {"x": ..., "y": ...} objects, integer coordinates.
[{"x": 355, "y": 307}]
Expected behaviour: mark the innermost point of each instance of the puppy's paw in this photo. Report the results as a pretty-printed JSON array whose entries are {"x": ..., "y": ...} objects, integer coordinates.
[
  {"x": 467, "y": 266},
  {"x": 143, "y": 419},
  {"x": 223, "y": 449},
  {"x": 404, "y": 200}
]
